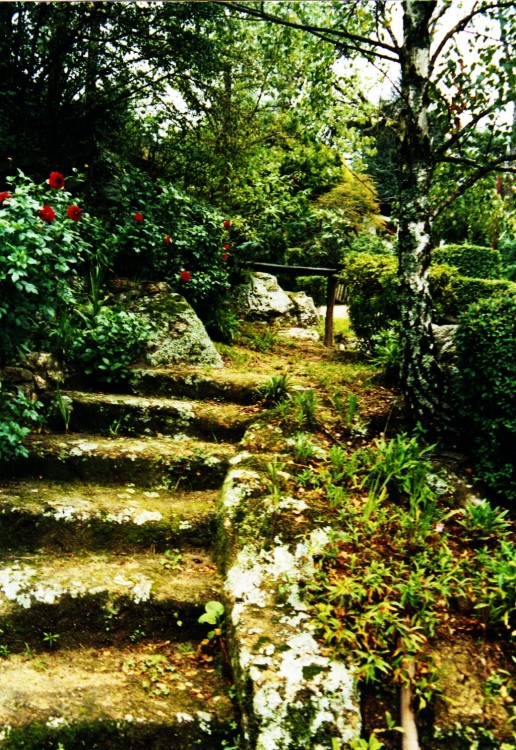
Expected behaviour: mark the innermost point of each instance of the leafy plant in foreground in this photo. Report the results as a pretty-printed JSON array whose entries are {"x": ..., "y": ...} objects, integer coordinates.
[
  {"x": 18, "y": 416},
  {"x": 110, "y": 344},
  {"x": 42, "y": 242}
]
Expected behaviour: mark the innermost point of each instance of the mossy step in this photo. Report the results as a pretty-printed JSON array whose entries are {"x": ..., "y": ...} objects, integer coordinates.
[
  {"x": 117, "y": 414},
  {"x": 146, "y": 461},
  {"x": 69, "y": 516},
  {"x": 159, "y": 697},
  {"x": 217, "y": 385},
  {"x": 100, "y": 599}
]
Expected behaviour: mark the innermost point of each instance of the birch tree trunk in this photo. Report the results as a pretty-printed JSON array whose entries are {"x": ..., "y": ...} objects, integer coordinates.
[{"x": 422, "y": 380}]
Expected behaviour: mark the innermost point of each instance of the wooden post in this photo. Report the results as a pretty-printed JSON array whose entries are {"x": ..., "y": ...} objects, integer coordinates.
[{"x": 330, "y": 304}]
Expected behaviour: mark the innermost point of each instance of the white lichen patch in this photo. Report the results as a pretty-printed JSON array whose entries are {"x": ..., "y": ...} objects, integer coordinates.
[
  {"x": 292, "y": 503},
  {"x": 82, "y": 448},
  {"x": 84, "y": 511},
  {"x": 25, "y": 586},
  {"x": 204, "y": 720},
  {"x": 239, "y": 485},
  {"x": 239, "y": 458}
]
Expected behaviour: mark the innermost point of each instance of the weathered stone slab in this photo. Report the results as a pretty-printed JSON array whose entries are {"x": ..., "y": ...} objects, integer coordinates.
[
  {"x": 291, "y": 695},
  {"x": 118, "y": 414},
  {"x": 72, "y": 516},
  {"x": 104, "y": 597},
  {"x": 108, "y": 698},
  {"x": 147, "y": 462}
]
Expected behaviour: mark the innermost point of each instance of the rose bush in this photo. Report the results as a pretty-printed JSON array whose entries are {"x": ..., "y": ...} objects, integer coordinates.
[
  {"x": 163, "y": 233},
  {"x": 41, "y": 249}
]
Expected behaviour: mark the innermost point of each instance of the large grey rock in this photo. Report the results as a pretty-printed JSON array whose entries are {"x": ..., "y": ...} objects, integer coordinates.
[
  {"x": 445, "y": 343},
  {"x": 305, "y": 313},
  {"x": 262, "y": 298},
  {"x": 180, "y": 338}
]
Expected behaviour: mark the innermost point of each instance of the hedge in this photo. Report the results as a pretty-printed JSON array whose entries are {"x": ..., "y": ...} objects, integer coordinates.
[
  {"x": 372, "y": 290},
  {"x": 486, "y": 390},
  {"x": 473, "y": 261}
]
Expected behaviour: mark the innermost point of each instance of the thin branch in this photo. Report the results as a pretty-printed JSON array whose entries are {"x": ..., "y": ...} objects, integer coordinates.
[
  {"x": 461, "y": 25},
  {"x": 330, "y": 35},
  {"x": 462, "y": 134},
  {"x": 497, "y": 165}
]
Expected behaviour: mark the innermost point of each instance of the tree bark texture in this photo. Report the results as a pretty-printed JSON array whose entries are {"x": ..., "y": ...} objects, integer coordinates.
[{"x": 421, "y": 376}]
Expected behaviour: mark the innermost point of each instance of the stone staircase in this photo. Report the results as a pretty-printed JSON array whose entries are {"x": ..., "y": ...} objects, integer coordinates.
[{"x": 106, "y": 565}]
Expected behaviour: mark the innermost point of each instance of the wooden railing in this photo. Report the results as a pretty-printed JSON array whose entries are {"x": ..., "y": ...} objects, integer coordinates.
[{"x": 329, "y": 273}]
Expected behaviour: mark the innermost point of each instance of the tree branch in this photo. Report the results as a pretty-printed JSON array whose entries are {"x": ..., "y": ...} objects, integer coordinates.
[
  {"x": 462, "y": 134},
  {"x": 495, "y": 165},
  {"x": 364, "y": 45},
  {"x": 461, "y": 25}
]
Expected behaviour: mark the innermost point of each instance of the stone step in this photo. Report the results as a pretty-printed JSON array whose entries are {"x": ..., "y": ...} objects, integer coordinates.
[
  {"x": 118, "y": 414},
  {"x": 199, "y": 384},
  {"x": 148, "y": 697},
  {"x": 104, "y": 598},
  {"x": 69, "y": 516},
  {"x": 148, "y": 462}
]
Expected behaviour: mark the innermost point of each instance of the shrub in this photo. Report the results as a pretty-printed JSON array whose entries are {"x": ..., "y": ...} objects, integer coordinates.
[
  {"x": 372, "y": 289},
  {"x": 452, "y": 293},
  {"x": 472, "y": 261},
  {"x": 164, "y": 234},
  {"x": 443, "y": 288},
  {"x": 508, "y": 253},
  {"x": 486, "y": 389},
  {"x": 18, "y": 416},
  {"x": 110, "y": 344},
  {"x": 41, "y": 241},
  {"x": 314, "y": 286}
]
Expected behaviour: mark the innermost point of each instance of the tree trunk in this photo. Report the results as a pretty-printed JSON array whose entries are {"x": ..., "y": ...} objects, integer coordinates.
[{"x": 422, "y": 380}]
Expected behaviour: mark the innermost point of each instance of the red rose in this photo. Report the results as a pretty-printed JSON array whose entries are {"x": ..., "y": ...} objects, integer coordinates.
[
  {"x": 4, "y": 197},
  {"x": 227, "y": 224},
  {"x": 138, "y": 217},
  {"x": 74, "y": 213},
  {"x": 185, "y": 276},
  {"x": 167, "y": 239},
  {"x": 47, "y": 214},
  {"x": 56, "y": 180},
  {"x": 227, "y": 246},
  {"x": 224, "y": 257}
]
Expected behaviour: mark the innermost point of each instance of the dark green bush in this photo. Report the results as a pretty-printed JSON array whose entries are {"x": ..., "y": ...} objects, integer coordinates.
[
  {"x": 443, "y": 288},
  {"x": 113, "y": 341},
  {"x": 486, "y": 389},
  {"x": 469, "y": 291},
  {"x": 508, "y": 253},
  {"x": 372, "y": 290},
  {"x": 452, "y": 293},
  {"x": 314, "y": 286},
  {"x": 472, "y": 261},
  {"x": 18, "y": 416}
]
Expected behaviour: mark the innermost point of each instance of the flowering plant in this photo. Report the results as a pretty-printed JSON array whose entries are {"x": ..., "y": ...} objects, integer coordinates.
[
  {"x": 40, "y": 250},
  {"x": 74, "y": 213},
  {"x": 166, "y": 234},
  {"x": 56, "y": 180},
  {"x": 47, "y": 214}
]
